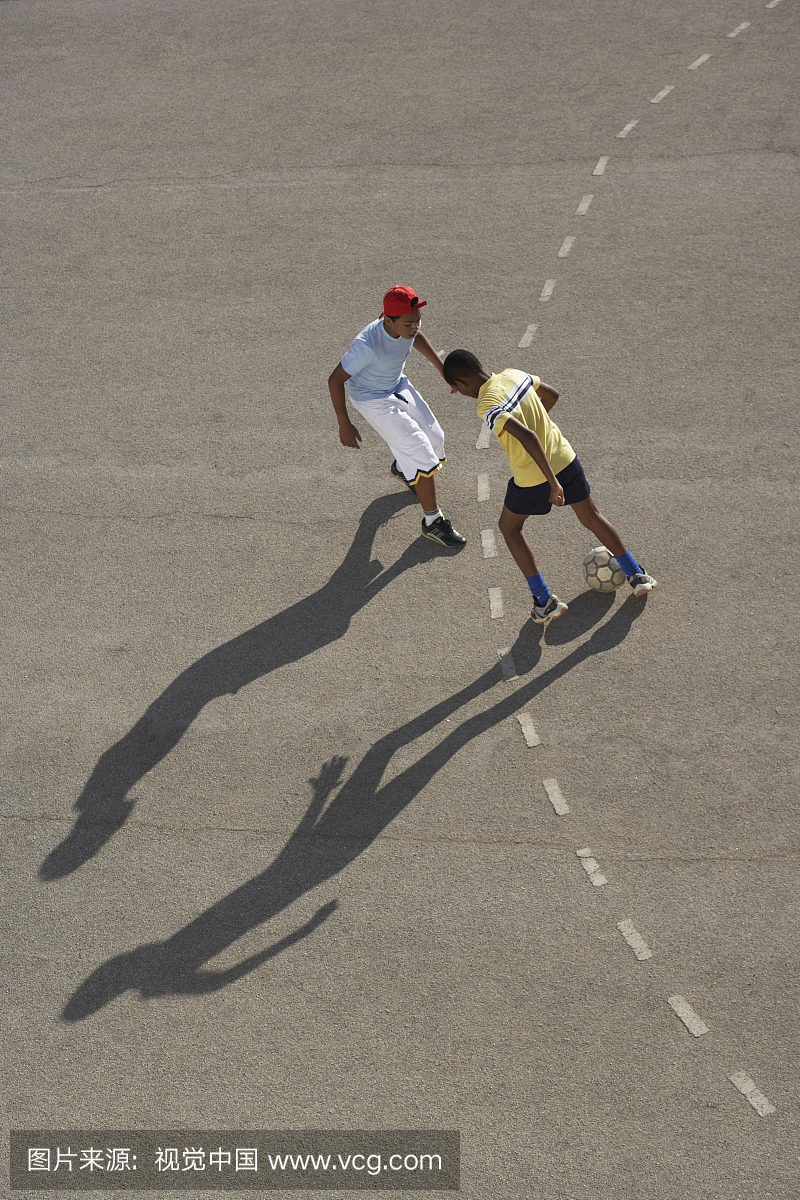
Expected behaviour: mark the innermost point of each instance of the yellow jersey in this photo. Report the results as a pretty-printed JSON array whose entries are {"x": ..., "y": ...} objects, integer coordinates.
[{"x": 512, "y": 393}]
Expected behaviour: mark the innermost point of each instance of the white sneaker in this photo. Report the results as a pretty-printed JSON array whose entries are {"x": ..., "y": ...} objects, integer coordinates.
[
  {"x": 543, "y": 614},
  {"x": 642, "y": 583}
]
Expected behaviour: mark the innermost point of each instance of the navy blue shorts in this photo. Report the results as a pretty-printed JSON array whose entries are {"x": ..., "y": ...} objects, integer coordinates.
[{"x": 535, "y": 501}]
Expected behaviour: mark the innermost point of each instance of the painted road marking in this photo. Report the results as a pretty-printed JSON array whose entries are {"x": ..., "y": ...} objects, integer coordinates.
[
  {"x": 591, "y": 867},
  {"x": 687, "y": 1015},
  {"x": 507, "y": 664},
  {"x": 483, "y": 488},
  {"x": 739, "y": 29},
  {"x": 527, "y": 337},
  {"x": 488, "y": 543},
  {"x": 483, "y": 438},
  {"x": 566, "y": 246},
  {"x": 698, "y": 62},
  {"x": 624, "y": 132},
  {"x": 528, "y": 729},
  {"x": 583, "y": 207},
  {"x": 746, "y": 1086},
  {"x": 556, "y": 799},
  {"x": 635, "y": 940},
  {"x": 547, "y": 290},
  {"x": 602, "y": 163},
  {"x": 773, "y": 3},
  {"x": 664, "y": 92},
  {"x": 496, "y": 603}
]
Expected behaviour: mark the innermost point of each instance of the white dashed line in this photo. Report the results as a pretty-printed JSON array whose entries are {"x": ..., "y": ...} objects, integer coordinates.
[
  {"x": 739, "y": 29},
  {"x": 745, "y": 1084},
  {"x": 635, "y": 940},
  {"x": 488, "y": 544},
  {"x": 496, "y": 603},
  {"x": 688, "y": 1016},
  {"x": 528, "y": 729},
  {"x": 483, "y": 438},
  {"x": 624, "y": 132},
  {"x": 507, "y": 664},
  {"x": 556, "y": 799},
  {"x": 698, "y": 62},
  {"x": 547, "y": 290},
  {"x": 566, "y": 246},
  {"x": 483, "y": 488},
  {"x": 602, "y": 163},
  {"x": 527, "y": 337},
  {"x": 583, "y": 207},
  {"x": 591, "y": 867},
  {"x": 773, "y": 3},
  {"x": 664, "y": 92}
]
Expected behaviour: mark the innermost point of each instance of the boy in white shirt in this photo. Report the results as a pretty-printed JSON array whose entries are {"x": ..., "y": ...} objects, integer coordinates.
[{"x": 374, "y": 371}]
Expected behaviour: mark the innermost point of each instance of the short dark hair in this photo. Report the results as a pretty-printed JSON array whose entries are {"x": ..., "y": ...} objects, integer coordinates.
[{"x": 460, "y": 364}]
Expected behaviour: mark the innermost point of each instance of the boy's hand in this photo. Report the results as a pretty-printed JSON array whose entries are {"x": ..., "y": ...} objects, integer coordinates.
[
  {"x": 557, "y": 495},
  {"x": 349, "y": 435}
]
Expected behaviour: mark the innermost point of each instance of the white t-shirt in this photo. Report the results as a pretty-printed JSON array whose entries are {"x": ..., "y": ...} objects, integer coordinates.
[{"x": 375, "y": 363}]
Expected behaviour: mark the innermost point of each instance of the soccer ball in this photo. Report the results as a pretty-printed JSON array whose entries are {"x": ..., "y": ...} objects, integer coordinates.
[{"x": 602, "y": 571}]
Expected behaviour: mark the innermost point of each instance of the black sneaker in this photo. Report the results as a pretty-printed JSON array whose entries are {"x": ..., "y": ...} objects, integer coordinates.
[
  {"x": 442, "y": 531},
  {"x": 398, "y": 474}
]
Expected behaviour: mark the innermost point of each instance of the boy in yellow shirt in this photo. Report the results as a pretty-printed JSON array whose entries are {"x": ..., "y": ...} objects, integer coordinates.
[{"x": 546, "y": 470}]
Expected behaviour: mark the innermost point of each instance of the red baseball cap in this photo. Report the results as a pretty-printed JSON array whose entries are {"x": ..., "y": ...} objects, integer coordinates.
[{"x": 401, "y": 300}]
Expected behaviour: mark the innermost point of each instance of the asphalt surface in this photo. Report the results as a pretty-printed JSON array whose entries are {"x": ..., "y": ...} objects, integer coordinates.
[{"x": 277, "y": 852}]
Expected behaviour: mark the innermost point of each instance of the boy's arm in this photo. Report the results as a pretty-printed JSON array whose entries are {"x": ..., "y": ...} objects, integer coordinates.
[
  {"x": 530, "y": 442},
  {"x": 547, "y": 395},
  {"x": 348, "y": 434},
  {"x": 422, "y": 344}
]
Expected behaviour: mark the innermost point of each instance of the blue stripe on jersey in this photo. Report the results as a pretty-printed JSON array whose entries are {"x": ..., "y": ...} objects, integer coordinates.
[{"x": 511, "y": 402}]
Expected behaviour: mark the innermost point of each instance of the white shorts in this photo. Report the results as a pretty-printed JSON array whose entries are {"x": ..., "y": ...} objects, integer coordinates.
[{"x": 408, "y": 427}]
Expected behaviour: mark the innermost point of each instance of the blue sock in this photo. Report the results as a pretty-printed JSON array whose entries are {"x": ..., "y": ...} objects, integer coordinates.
[
  {"x": 629, "y": 564},
  {"x": 539, "y": 589}
]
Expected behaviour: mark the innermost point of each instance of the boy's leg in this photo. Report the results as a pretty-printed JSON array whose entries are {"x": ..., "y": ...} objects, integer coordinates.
[
  {"x": 425, "y": 491},
  {"x": 415, "y": 437},
  {"x": 546, "y": 605},
  {"x": 435, "y": 525},
  {"x": 591, "y": 518},
  {"x": 510, "y": 525},
  {"x": 431, "y": 431},
  {"x": 428, "y": 432},
  {"x": 425, "y": 487}
]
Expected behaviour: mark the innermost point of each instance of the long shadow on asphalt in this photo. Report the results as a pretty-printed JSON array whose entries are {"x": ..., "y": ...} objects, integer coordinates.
[
  {"x": 329, "y": 839},
  {"x": 290, "y": 635}
]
